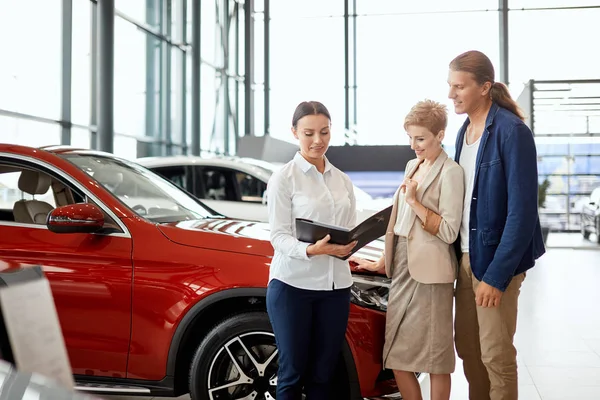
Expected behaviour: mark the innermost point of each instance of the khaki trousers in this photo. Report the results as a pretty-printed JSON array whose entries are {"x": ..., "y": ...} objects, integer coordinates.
[{"x": 484, "y": 338}]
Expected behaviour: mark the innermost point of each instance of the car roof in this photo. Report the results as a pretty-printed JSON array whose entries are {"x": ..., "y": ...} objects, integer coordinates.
[
  {"x": 53, "y": 149},
  {"x": 210, "y": 159},
  {"x": 249, "y": 165},
  {"x": 64, "y": 149}
]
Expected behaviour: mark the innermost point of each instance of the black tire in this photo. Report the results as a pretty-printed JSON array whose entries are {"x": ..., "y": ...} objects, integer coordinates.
[
  {"x": 212, "y": 366},
  {"x": 255, "y": 332}
]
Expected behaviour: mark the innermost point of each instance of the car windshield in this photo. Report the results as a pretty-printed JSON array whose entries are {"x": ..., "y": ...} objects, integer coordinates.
[{"x": 147, "y": 194}]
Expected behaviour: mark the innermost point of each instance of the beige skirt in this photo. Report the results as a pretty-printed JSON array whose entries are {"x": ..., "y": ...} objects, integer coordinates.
[{"x": 419, "y": 329}]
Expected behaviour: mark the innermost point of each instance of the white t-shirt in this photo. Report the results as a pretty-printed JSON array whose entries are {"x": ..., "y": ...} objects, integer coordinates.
[
  {"x": 298, "y": 190},
  {"x": 468, "y": 157}
]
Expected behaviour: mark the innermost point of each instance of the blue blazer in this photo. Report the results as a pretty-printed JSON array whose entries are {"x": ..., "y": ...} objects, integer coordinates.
[{"x": 505, "y": 237}]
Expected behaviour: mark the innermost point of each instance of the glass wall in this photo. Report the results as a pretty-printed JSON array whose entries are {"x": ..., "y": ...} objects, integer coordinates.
[
  {"x": 148, "y": 102},
  {"x": 402, "y": 54},
  {"x": 31, "y": 62},
  {"x": 307, "y": 62},
  {"x": 551, "y": 44},
  {"x": 422, "y": 40},
  {"x": 30, "y": 82},
  {"x": 222, "y": 51},
  {"x": 398, "y": 54},
  {"x": 81, "y": 68},
  {"x": 566, "y": 123},
  {"x": 549, "y": 54},
  {"x": 152, "y": 74}
]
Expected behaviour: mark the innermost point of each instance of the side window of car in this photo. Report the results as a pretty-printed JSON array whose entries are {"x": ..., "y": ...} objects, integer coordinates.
[
  {"x": 251, "y": 188},
  {"x": 176, "y": 174},
  {"x": 26, "y": 195},
  {"x": 218, "y": 184}
]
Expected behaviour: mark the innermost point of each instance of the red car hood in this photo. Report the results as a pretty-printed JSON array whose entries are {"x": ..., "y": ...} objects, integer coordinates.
[
  {"x": 238, "y": 236},
  {"x": 221, "y": 234}
]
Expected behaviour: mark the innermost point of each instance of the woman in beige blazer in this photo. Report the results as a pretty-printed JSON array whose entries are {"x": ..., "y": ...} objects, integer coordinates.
[{"x": 419, "y": 257}]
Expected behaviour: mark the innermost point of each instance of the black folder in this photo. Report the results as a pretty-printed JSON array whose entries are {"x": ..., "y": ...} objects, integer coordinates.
[{"x": 370, "y": 229}]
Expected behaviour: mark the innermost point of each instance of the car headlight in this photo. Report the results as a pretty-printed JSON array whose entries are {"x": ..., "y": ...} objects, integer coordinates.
[{"x": 370, "y": 291}]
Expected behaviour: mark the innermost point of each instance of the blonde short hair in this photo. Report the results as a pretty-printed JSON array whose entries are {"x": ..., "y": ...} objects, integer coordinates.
[{"x": 428, "y": 114}]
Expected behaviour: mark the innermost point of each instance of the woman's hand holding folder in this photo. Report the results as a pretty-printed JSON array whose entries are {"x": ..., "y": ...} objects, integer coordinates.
[{"x": 324, "y": 247}]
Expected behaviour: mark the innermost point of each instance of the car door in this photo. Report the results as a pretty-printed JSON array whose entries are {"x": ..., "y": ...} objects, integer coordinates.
[
  {"x": 90, "y": 274},
  {"x": 218, "y": 188}
]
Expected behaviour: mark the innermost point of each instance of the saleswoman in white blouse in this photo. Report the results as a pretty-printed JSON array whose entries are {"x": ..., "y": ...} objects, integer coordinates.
[{"x": 308, "y": 297}]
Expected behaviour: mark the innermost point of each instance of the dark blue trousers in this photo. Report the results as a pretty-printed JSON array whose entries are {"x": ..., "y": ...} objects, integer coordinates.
[{"x": 309, "y": 327}]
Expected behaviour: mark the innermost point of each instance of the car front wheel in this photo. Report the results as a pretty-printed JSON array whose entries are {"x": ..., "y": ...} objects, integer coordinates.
[{"x": 237, "y": 360}]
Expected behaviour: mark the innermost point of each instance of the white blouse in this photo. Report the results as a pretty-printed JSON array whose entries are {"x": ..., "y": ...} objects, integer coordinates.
[{"x": 298, "y": 190}]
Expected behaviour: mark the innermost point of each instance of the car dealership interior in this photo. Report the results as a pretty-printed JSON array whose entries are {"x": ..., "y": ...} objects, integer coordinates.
[{"x": 138, "y": 139}]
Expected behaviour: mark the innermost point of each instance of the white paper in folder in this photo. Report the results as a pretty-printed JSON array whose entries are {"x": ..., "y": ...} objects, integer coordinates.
[{"x": 34, "y": 330}]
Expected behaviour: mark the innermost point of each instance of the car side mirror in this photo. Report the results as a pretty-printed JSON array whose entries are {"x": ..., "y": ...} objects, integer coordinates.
[{"x": 75, "y": 218}]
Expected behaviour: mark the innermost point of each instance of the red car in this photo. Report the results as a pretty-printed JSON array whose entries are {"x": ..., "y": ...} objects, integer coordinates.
[{"x": 156, "y": 293}]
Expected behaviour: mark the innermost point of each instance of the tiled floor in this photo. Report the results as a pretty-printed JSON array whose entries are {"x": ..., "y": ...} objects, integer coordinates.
[{"x": 558, "y": 333}]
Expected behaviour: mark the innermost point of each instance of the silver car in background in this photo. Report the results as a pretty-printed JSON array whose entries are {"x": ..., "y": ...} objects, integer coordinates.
[{"x": 235, "y": 186}]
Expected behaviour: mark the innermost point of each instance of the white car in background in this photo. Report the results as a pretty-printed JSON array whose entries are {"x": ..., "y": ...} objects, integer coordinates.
[{"x": 235, "y": 186}]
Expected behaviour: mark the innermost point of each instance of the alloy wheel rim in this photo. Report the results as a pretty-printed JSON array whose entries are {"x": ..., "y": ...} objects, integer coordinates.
[{"x": 244, "y": 368}]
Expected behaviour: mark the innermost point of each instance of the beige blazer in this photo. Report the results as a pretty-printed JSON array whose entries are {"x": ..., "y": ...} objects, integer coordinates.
[{"x": 431, "y": 256}]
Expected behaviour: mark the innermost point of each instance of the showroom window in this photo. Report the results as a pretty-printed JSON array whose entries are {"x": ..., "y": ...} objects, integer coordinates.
[
  {"x": 30, "y": 70},
  {"x": 415, "y": 67},
  {"x": 556, "y": 44},
  {"x": 307, "y": 63}
]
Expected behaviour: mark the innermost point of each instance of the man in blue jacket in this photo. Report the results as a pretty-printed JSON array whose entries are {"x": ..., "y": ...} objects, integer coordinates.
[{"x": 500, "y": 236}]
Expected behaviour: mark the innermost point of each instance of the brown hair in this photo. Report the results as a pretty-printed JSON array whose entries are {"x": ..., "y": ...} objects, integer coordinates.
[
  {"x": 309, "y": 108},
  {"x": 482, "y": 69},
  {"x": 428, "y": 114}
]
